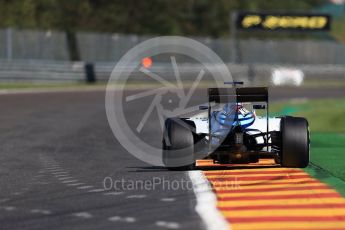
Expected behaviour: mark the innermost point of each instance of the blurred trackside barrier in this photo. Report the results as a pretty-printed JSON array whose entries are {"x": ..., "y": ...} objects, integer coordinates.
[
  {"x": 27, "y": 55},
  {"x": 29, "y": 44},
  {"x": 63, "y": 71},
  {"x": 101, "y": 47}
]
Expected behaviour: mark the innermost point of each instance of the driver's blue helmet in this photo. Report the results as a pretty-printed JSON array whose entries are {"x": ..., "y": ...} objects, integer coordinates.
[{"x": 235, "y": 114}]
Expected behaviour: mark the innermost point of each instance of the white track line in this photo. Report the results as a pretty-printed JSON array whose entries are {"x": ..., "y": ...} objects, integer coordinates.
[
  {"x": 85, "y": 187},
  {"x": 97, "y": 190},
  {"x": 69, "y": 181},
  {"x": 112, "y": 193},
  {"x": 127, "y": 219},
  {"x": 84, "y": 215},
  {"x": 206, "y": 205},
  {"x": 40, "y": 211},
  {"x": 136, "y": 196},
  {"x": 61, "y": 176},
  {"x": 168, "y": 199},
  {"x": 169, "y": 225},
  {"x": 76, "y": 184},
  {"x": 66, "y": 178},
  {"x": 8, "y": 208}
]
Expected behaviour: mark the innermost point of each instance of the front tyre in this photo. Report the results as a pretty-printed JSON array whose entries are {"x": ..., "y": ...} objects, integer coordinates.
[
  {"x": 178, "y": 145},
  {"x": 294, "y": 142}
]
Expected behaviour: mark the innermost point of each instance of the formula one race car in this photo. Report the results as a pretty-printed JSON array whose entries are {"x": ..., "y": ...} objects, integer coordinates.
[{"x": 234, "y": 128}]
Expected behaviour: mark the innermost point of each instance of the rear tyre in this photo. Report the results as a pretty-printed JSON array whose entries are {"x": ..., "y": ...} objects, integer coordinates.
[
  {"x": 179, "y": 153},
  {"x": 294, "y": 142}
]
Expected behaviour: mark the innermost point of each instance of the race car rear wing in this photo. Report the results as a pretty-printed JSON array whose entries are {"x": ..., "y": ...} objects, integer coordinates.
[{"x": 247, "y": 94}]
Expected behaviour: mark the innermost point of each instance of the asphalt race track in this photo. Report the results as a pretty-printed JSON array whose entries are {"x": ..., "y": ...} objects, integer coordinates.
[{"x": 56, "y": 150}]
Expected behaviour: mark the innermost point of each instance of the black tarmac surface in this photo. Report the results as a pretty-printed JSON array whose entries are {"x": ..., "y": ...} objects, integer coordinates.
[{"x": 56, "y": 149}]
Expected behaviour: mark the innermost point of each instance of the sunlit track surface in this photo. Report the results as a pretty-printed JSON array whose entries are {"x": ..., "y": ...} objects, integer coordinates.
[
  {"x": 275, "y": 198},
  {"x": 57, "y": 148}
]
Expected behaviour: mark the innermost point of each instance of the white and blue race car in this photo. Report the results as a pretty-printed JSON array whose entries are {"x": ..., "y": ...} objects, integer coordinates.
[{"x": 229, "y": 131}]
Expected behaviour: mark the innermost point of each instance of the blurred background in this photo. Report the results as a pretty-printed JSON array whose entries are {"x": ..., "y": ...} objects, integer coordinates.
[
  {"x": 56, "y": 57},
  {"x": 50, "y": 41}
]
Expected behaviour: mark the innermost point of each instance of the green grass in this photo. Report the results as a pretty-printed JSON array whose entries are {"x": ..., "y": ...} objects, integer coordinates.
[
  {"x": 327, "y": 124},
  {"x": 323, "y": 115},
  {"x": 328, "y": 151},
  {"x": 328, "y": 154}
]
